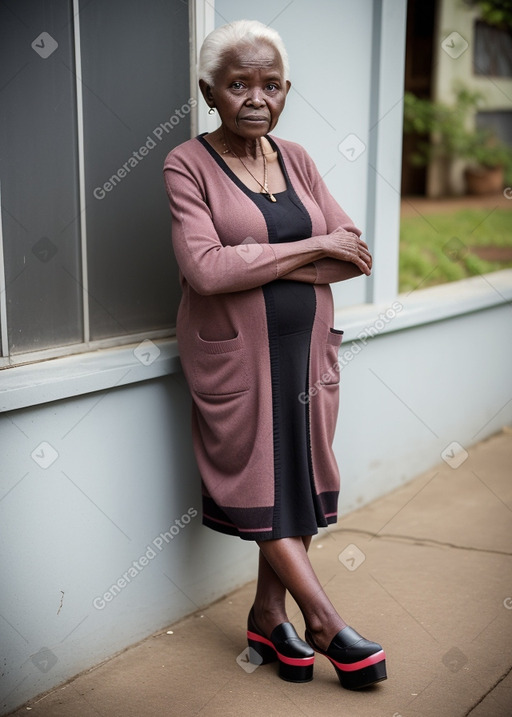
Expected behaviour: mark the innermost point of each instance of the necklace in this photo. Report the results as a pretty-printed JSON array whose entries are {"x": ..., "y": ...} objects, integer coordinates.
[{"x": 264, "y": 187}]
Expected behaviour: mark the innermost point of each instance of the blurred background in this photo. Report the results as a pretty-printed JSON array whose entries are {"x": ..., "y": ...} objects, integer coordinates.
[{"x": 457, "y": 142}]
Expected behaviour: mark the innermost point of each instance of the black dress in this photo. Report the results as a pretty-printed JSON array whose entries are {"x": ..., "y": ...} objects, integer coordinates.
[{"x": 290, "y": 309}]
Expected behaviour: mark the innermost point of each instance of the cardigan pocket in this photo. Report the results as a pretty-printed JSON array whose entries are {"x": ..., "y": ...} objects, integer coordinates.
[
  {"x": 331, "y": 368},
  {"x": 219, "y": 367}
]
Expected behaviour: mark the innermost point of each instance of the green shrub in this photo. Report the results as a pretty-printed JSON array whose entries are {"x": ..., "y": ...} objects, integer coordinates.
[{"x": 439, "y": 248}]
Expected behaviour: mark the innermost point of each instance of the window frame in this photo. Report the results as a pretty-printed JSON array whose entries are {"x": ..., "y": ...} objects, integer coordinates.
[
  {"x": 201, "y": 21},
  {"x": 480, "y": 27}
]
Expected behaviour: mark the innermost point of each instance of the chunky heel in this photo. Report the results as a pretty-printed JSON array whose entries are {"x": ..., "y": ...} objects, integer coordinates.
[
  {"x": 259, "y": 652},
  {"x": 297, "y": 672},
  {"x": 358, "y": 662},
  {"x": 356, "y": 676},
  {"x": 296, "y": 658}
]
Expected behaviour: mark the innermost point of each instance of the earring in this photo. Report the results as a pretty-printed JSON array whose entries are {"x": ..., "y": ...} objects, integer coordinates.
[{"x": 211, "y": 111}]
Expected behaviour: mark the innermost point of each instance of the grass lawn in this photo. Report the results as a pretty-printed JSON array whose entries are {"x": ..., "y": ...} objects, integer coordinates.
[{"x": 437, "y": 248}]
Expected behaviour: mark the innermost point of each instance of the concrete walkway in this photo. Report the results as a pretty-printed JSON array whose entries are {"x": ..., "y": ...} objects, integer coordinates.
[{"x": 426, "y": 571}]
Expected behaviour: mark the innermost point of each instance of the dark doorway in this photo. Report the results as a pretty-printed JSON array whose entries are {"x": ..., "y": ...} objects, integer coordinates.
[{"x": 421, "y": 16}]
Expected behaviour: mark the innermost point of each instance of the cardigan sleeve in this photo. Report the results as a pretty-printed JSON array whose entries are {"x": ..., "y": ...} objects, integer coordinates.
[
  {"x": 326, "y": 270},
  {"x": 206, "y": 264}
]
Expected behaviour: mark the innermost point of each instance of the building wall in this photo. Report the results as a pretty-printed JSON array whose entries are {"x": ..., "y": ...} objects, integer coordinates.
[
  {"x": 437, "y": 383},
  {"x": 452, "y": 64},
  {"x": 121, "y": 498},
  {"x": 102, "y": 542}
]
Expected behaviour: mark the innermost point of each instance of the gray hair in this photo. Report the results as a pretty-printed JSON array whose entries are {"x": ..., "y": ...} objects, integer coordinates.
[{"x": 224, "y": 38}]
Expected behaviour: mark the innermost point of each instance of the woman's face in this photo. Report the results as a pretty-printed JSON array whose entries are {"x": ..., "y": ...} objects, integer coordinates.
[{"x": 249, "y": 90}]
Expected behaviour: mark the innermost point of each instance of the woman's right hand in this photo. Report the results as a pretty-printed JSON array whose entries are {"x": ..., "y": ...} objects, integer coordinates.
[{"x": 347, "y": 246}]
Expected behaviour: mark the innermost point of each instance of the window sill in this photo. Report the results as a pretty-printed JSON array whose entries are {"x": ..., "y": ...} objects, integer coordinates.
[
  {"x": 47, "y": 381},
  {"x": 426, "y": 306}
]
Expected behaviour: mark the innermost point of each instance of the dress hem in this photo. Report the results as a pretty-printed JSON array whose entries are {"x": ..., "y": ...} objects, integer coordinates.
[{"x": 259, "y": 535}]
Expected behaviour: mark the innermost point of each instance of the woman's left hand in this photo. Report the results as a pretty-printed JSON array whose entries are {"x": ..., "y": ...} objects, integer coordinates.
[{"x": 347, "y": 246}]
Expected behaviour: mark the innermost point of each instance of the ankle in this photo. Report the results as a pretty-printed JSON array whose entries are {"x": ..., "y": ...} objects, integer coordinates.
[
  {"x": 268, "y": 616},
  {"x": 269, "y": 611},
  {"x": 323, "y": 631}
]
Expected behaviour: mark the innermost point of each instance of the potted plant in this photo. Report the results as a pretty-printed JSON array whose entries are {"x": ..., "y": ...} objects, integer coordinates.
[{"x": 488, "y": 160}]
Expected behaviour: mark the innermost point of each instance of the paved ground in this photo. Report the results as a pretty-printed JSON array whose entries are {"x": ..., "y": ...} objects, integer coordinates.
[{"x": 426, "y": 571}]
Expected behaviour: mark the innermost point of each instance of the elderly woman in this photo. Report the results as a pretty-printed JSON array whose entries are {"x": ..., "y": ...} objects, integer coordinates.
[{"x": 258, "y": 239}]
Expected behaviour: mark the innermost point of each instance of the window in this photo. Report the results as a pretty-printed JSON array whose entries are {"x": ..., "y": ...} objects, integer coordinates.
[
  {"x": 492, "y": 51},
  {"x": 94, "y": 95},
  {"x": 499, "y": 122}
]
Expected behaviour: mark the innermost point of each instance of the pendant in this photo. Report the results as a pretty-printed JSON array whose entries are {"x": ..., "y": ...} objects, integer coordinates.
[{"x": 269, "y": 196}]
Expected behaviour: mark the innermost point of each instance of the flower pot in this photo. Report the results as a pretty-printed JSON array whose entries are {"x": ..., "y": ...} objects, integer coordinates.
[{"x": 484, "y": 180}]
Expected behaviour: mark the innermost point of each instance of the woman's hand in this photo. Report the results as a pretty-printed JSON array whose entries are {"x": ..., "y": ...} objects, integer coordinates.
[{"x": 346, "y": 246}]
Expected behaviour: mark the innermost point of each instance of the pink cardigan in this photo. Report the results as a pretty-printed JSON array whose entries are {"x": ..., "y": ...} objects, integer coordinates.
[{"x": 222, "y": 248}]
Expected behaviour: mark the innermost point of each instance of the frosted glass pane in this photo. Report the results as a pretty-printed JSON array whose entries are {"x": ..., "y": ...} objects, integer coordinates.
[
  {"x": 135, "y": 69},
  {"x": 38, "y": 175}
]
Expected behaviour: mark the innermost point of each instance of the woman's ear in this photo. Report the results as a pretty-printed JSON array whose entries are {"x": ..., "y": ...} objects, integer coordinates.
[{"x": 206, "y": 91}]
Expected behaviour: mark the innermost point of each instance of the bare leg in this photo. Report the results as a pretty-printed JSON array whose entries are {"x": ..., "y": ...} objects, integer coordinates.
[
  {"x": 269, "y": 602},
  {"x": 288, "y": 560}
]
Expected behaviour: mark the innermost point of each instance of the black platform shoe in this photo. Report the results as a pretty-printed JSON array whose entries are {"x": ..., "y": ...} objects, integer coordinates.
[
  {"x": 296, "y": 658},
  {"x": 358, "y": 662}
]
